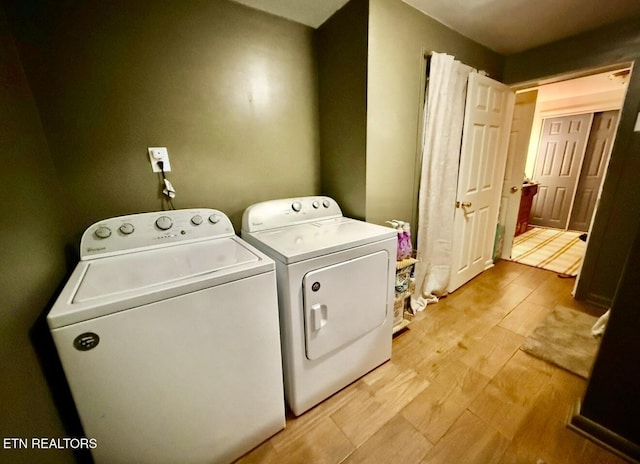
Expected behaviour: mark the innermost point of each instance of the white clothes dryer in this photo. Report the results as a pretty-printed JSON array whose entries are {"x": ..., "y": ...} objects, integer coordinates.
[
  {"x": 168, "y": 334},
  {"x": 335, "y": 291}
]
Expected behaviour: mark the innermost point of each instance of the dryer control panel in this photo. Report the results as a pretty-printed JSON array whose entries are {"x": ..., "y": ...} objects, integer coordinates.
[
  {"x": 289, "y": 211},
  {"x": 125, "y": 234}
]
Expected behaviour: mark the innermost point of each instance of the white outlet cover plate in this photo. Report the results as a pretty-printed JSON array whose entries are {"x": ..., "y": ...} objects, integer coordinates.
[{"x": 159, "y": 154}]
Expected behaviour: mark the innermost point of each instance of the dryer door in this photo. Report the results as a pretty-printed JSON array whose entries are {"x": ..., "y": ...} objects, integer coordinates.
[{"x": 344, "y": 301}]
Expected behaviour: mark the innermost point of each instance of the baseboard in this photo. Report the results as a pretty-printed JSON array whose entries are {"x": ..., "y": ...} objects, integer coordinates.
[
  {"x": 603, "y": 436},
  {"x": 599, "y": 300}
]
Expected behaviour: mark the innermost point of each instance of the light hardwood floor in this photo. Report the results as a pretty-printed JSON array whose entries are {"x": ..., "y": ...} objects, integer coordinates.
[{"x": 457, "y": 388}]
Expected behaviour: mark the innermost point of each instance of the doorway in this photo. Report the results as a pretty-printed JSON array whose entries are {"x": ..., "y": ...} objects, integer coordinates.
[{"x": 590, "y": 98}]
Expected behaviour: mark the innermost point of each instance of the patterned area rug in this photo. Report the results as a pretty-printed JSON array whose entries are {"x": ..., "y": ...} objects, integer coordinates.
[
  {"x": 564, "y": 339},
  {"x": 555, "y": 250}
]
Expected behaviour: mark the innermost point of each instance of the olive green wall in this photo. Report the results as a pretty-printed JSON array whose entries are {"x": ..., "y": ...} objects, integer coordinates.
[
  {"x": 618, "y": 213},
  {"x": 342, "y": 70},
  {"x": 610, "y": 407},
  {"x": 32, "y": 244},
  {"x": 86, "y": 87},
  {"x": 235, "y": 96},
  {"x": 611, "y": 399},
  {"x": 398, "y": 38},
  {"x": 372, "y": 69},
  {"x": 230, "y": 91}
]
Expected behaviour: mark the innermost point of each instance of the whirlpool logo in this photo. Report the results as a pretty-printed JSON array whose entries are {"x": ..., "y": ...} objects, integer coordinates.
[
  {"x": 95, "y": 249},
  {"x": 86, "y": 341}
]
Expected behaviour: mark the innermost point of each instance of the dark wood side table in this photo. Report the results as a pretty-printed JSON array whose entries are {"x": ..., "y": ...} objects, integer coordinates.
[{"x": 528, "y": 192}]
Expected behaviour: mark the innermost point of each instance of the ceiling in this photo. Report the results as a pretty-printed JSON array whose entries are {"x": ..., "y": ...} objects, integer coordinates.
[
  {"x": 505, "y": 26},
  {"x": 601, "y": 83}
]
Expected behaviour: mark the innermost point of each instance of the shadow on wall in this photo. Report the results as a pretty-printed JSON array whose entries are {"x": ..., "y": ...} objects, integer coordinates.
[{"x": 51, "y": 366}]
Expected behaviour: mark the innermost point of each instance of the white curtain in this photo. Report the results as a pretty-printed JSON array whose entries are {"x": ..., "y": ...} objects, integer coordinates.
[{"x": 442, "y": 137}]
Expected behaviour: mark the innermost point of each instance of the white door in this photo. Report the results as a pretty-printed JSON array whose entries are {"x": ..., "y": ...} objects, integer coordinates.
[
  {"x": 488, "y": 113},
  {"x": 514, "y": 172},
  {"x": 558, "y": 166}
]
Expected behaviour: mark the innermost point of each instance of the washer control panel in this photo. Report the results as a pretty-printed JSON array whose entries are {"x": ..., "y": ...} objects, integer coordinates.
[
  {"x": 288, "y": 211},
  {"x": 150, "y": 230}
]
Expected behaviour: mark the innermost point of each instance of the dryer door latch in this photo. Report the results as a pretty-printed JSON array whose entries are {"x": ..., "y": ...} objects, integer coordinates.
[{"x": 318, "y": 316}]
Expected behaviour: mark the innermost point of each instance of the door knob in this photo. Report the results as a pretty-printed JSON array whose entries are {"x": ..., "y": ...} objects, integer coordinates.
[
  {"x": 514, "y": 189},
  {"x": 463, "y": 204}
]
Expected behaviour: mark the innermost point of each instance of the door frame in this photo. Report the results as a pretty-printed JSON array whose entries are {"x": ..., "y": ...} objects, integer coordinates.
[{"x": 579, "y": 108}]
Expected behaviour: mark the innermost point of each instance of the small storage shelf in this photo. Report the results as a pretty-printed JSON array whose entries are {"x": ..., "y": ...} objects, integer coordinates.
[{"x": 403, "y": 289}]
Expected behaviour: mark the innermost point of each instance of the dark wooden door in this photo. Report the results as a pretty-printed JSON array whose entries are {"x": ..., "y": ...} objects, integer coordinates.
[
  {"x": 558, "y": 165},
  {"x": 594, "y": 166}
]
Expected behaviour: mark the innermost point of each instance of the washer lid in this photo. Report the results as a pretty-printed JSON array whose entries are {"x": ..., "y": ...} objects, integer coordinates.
[
  {"x": 308, "y": 240},
  {"x": 153, "y": 268},
  {"x": 107, "y": 285}
]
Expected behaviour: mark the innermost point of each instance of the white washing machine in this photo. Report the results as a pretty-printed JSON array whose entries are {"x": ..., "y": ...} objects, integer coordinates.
[
  {"x": 335, "y": 291},
  {"x": 169, "y": 338}
]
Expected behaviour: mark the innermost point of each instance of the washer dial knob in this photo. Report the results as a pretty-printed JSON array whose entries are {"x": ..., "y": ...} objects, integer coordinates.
[
  {"x": 326, "y": 203},
  {"x": 296, "y": 206},
  {"x": 196, "y": 220},
  {"x": 214, "y": 218},
  {"x": 315, "y": 204},
  {"x": 103, "y": 232},
  {"x": 164, "y": 223},
  {"x": 127, "y": 228}
]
